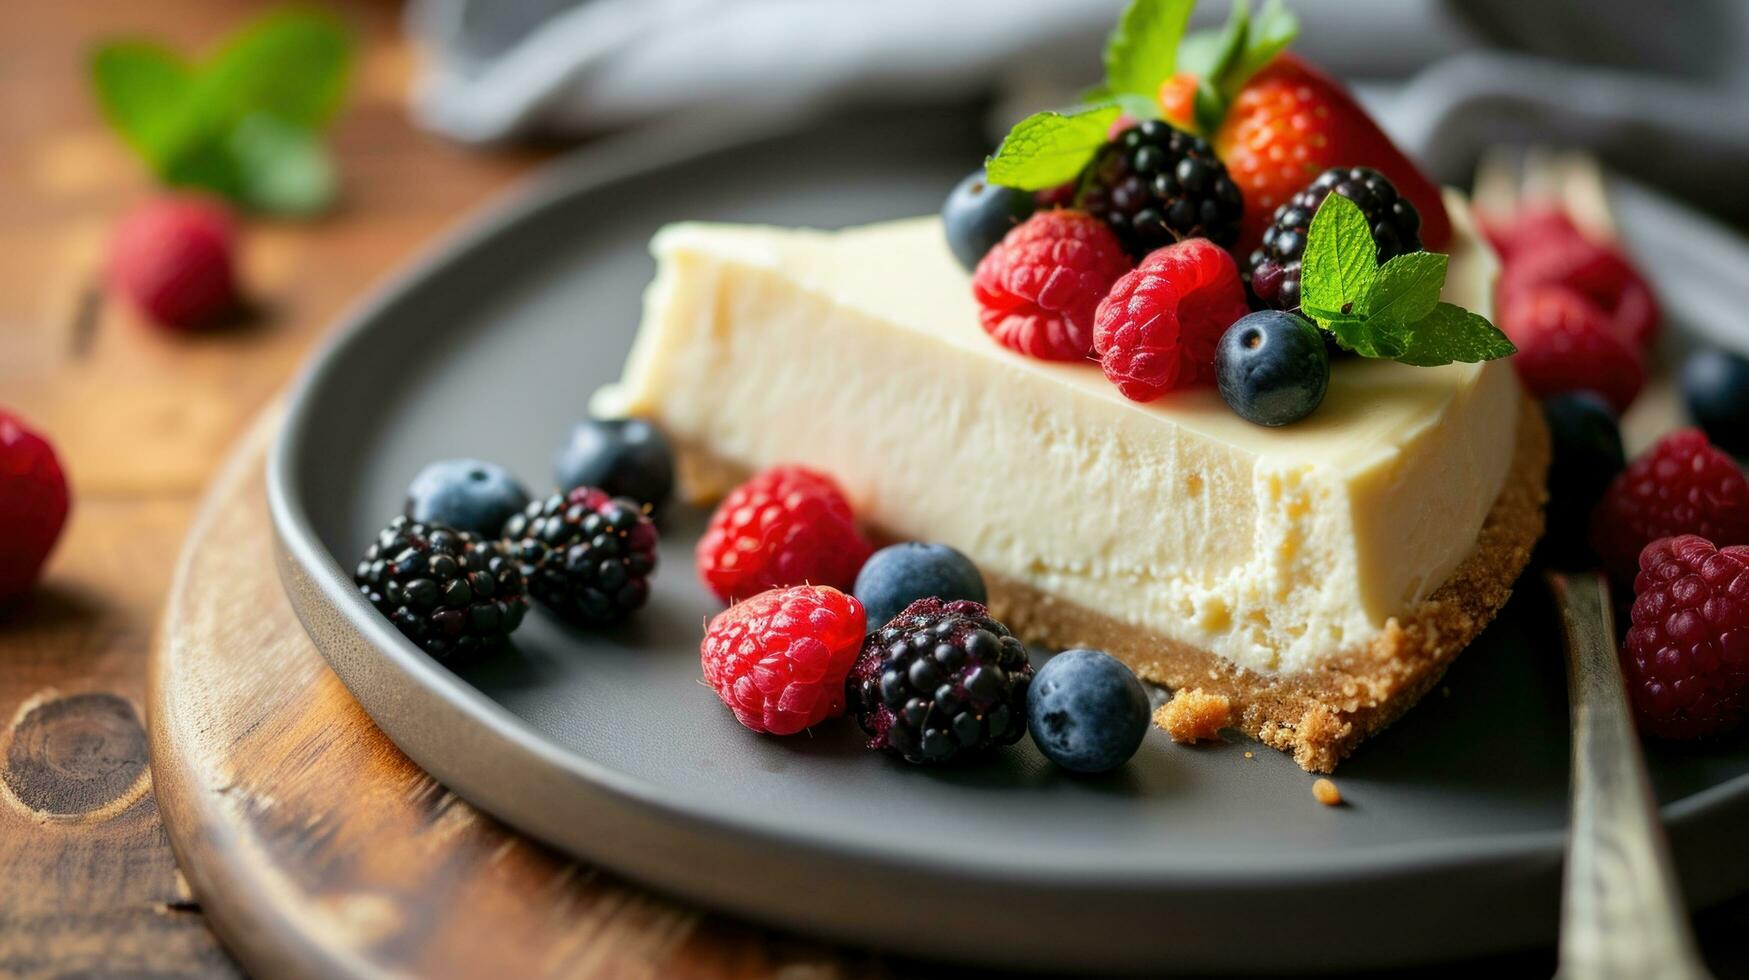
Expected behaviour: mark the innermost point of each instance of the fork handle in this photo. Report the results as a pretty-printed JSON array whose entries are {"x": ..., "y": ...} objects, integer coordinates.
[{"x": 1622, "y": 914}]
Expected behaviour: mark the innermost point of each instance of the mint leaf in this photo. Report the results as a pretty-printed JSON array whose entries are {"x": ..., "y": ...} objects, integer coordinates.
[
  {"x": 1406, "y": 288},
  {"x": 1451, "y": 333},
  {"x": 1341, "y": 259},
  {"x": 1143, "y": 49},
  {"x": 291, "y": 64},
  {"x": 282, "y": 168},
  {"x": 1047, "y": 148},
  {"x": 1272, "y": 30},
  {"x": 1208, "y": 54},
  {"x": 1366, "y": 338},
  {"x": 144, "y": 91}
]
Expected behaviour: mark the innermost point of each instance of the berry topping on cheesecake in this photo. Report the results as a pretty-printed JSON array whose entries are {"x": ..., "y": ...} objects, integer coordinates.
[
  {"x": 1273, "y": 270},
  {"x": 1156, "y": 185},
  {"x": 1158, "y": 328},
  {"x": 1038, "y": 288}
]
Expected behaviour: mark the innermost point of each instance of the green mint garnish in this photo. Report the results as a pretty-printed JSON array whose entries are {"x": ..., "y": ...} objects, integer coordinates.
[
  {"x": 1392, "y": 310},
  {"x": 246, "y": 123},
  {"x": 1224, "y": 59},
  {"x": 1047, "y": 148},
  {"x": 1142, "y": 51}
]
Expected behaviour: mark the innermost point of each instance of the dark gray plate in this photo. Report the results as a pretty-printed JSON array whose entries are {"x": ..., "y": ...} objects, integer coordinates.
[{"x": 607, "y": 744}]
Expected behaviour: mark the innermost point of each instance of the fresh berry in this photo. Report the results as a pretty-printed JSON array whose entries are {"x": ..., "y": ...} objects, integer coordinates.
[
  {"x": 1682, "y": 485},
  {"x": 978, "y": 214},
  {"x": 173, "y": 260},
  {"x": 587, "y": 556},
  {"x": 1598, "y": 272},
  {"x": 941, "y": 681},
  {"x": 33, "y": 505},
  {"x": 1715, "y": 386},
  {"x": 451, "y": 593},
  {"x": 1272, "y": 368},
  {"x": 1565, "y": 343},
  {"x": 466, "y": 494},
  {"x": 620, "y": 457},
  {"x": 1273, "y": 270},
  {"x": 1289, "y": 123},
  {"x": 1086, "y": 711},
  {"x": 1529, "y": 227},
  {"x": 779, "y": 659},
  {"x": 1155, "y": 185},
  {"x": 1158, "y": 328},
  {"x": 1586, "y": 456},
  {"x": 900, "y": 574},
  {"x": 1686, "y": 660},
  {"x": 1038, "y": 288},
  {"x": 786, "y": 526}
]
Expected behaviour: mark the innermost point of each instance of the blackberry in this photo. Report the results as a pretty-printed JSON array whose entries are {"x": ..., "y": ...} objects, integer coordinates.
[
  {"x": 1273, "y": 270},
  {"x": 448, "y": 591},
  {"x": 1155, "y": 185},
  {"x": 941, "y": 681},
  {"x": 587, "y": 556}
]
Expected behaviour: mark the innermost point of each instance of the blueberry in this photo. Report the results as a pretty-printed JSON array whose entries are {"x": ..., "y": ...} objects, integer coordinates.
[
  {"x": 466, "y": 494},
  {"x": 1086, "y": 711},
  {"x": 978, "y": 213},
  {"x": 1715, "y": 384},
  {"x": 900, "y": 574},
  {"x": 1272, "y": 367},
  {"x": 624, "y": 457},
  {"x": 1586, "y": 454}
]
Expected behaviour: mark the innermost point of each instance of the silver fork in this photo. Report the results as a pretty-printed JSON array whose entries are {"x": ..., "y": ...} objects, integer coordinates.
[{"x": 1622, "y": 913}]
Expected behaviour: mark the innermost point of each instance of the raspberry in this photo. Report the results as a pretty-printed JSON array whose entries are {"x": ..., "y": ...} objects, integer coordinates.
[
  {"x": 587, "y": 556},
  {"x": 1565, "y": 343},
  {"x": 1159, "y": 327},
  {"x": 1598, "y": 272},
  {"x": 786, "y": 526},
  {"x": 33, "y": 505},
  {"x": 172, "y": 258},
  {"x": 779, "y": 659},
  {"x": 1155, "y": 185},
  {"x": 1529, "y": 227},
  {"x": 449, "y": 592},
  {"x": 941, "y": 681},
  {"x": 1682, "y": 485},
  {"x": 1686, "y": 659},
  {"x": 1038, "y": 288}
]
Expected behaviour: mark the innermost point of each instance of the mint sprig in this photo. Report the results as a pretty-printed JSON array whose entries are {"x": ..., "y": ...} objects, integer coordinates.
[
  {"x": 246, "y": 123},
  {"x": 1148, "y": 46},
  {"x": 1392, "y": 310}
]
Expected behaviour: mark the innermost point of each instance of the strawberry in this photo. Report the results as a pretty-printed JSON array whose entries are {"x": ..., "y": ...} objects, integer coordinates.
[{"x": 1290, "y": 122}]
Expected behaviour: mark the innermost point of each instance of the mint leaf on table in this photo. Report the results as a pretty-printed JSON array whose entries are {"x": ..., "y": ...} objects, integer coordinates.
[
  {"x": 1386, "y": 311},
  {"x": 1143, "y": 50},
  {"x": 1047, "y": 148},
  {"x": 245, "y": 124}
]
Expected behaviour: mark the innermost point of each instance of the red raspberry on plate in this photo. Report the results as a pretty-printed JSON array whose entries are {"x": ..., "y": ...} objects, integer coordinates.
[
  {"x": 1038, "y": 288},
  {"x": 1566, "y": 343},
  {"x": 786, "y": 526},
  {"x": 779, "y": 659},
  {"x": 1158, "y": 328},
  {"x": 1596, "y": 271},
  {"x": 33, "y": 505},
  {"x": 1682, "y": 485},
  {"x": 1686, "y": 659},
  {"x": 173, "y": 260}
]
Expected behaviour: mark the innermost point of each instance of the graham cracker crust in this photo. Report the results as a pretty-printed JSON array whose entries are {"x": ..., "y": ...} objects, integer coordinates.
[{"x": 1318, "y": 716}]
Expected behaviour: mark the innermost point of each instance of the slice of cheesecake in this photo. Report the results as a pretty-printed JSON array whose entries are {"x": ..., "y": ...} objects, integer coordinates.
[{"x": 1321, "y": 575}]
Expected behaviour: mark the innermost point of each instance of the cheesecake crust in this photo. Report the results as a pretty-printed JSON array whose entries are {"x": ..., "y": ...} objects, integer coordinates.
[{"x": 1322, "y": 715}]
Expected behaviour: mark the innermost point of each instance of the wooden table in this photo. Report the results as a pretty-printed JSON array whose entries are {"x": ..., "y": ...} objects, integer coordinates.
[
  {"x": 88, "y": 884},
  {"x": 87, "y": 880}
]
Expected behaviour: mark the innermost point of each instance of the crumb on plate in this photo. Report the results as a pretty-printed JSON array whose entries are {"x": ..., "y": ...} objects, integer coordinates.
[
  {"x": 1326, "y": 792},
  {"x": 1194, "y": 715}
]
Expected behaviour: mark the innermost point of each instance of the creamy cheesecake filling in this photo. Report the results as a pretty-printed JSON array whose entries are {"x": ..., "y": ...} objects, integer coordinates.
[{"x": 859, "y": 353}]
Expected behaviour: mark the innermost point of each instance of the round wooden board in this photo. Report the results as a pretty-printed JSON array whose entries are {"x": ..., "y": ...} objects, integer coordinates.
[{"x": 318, "y": 849}]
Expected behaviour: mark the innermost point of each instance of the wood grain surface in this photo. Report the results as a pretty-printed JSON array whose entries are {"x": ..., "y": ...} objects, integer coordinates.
[{"x": 88, "y": 886}]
